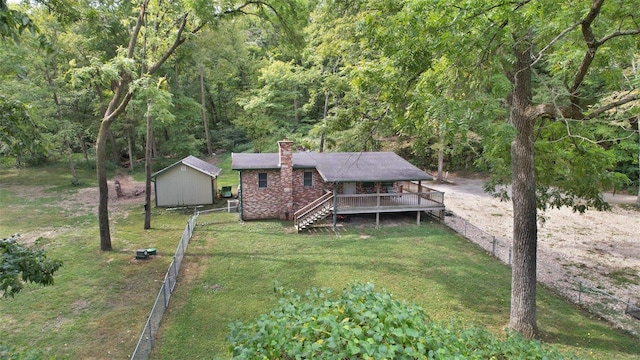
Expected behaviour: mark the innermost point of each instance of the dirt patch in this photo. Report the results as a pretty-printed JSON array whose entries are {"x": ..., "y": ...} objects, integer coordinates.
[
  {"x": 131, "y": 193},
  {"x": 600, "y": 249}
]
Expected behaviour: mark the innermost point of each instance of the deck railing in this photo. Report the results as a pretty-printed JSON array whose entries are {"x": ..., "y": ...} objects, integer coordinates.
[{"x": 391, "y": 200}]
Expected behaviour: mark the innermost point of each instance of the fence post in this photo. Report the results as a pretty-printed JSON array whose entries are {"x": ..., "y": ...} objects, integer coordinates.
[
  {"x": 579, "y": 292},
  {"x": 150, "y": 335},
  {"x": 465, "y": 228},
  {"x": 175, "y": 271},
  {"x": 493, "y": 250},
  {"x": 626, "y": 311},
  {"x": 164, "y": 292},
  {"x": 509, "y": 255}
]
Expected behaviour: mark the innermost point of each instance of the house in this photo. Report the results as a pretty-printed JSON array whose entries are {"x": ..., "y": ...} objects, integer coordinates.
[
  {"x": 190, "y": 181},
  {"x": 308, "y": 186}
]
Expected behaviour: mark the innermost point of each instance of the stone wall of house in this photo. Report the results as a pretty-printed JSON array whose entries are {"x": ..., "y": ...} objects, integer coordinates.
[
  {"x": 261, "y": 203},
  {"x": 304, "y": 195}
]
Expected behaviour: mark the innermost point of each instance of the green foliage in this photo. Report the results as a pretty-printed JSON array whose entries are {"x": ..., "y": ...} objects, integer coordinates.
[
  {"x": 13, "y": 23},
  {"x": 20, "y": 136},
  {"x": 12, "y": 353},
  {"x": 364, "y": 324},
  {"x": 20, "y": 265}
]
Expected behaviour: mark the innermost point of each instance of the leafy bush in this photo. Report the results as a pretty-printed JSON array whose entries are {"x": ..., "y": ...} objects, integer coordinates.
[
  {"x": 20, "y": 265},
  {"x": 364, "y": 324}
]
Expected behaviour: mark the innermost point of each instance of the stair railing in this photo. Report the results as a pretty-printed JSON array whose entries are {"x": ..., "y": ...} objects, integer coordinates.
[{"x": 309, "y": 210}]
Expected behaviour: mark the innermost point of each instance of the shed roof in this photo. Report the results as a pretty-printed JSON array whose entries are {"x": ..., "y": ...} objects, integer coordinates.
[
  {"x": 338, "y": 167},
  {"x": 194, "y": 163}
]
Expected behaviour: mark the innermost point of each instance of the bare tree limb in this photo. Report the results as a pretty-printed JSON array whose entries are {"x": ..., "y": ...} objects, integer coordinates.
[
  {"x": 592, "y": 46},
  {"x": 177, "y": 42},
  {"x": 617, "y": 34},
  {"x": 597, "y": 112},
  {"x": 553, "y": 41},
  {"x": 136, "y": 30}
]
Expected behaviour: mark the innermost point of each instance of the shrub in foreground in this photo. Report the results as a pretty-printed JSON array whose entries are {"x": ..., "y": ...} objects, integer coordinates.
[{"x": 365, "y": 324}]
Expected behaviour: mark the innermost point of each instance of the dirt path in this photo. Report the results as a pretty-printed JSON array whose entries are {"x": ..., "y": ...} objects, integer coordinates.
[{"x": 598, "y": 249}]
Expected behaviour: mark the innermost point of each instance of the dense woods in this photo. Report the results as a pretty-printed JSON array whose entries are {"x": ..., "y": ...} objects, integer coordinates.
[{"x": 539, "y": 94}]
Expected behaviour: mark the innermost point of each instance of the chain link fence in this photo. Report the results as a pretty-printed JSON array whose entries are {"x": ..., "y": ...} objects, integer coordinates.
[
  {"x": 145, "y": 342},
  {"x": 603, "y": 302}
]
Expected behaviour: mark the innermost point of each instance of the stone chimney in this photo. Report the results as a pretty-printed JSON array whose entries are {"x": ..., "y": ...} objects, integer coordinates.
[{"x": 286, "y": 178}]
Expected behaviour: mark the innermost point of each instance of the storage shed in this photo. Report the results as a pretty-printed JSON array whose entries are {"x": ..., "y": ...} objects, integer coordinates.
[{"x": 190, "y": 181}]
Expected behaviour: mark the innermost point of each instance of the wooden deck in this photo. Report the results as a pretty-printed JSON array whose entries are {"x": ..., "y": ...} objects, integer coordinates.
[
  {"x": 413, "y": 198},
  {"x": 394, "y": 202}
]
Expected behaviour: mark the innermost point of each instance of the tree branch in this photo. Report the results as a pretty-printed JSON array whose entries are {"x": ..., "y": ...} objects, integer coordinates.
[
  {"x": 617, "y": 34},
  {"x": 136, "y": 30},
  {"x": 597, "y": 112},
  {"x": 553, "y": 41},
  {"x": 592, "y": 46},
  {"x": 177, "y": 42}
]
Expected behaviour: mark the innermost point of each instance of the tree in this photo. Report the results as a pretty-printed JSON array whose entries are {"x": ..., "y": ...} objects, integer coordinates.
[
  {"x": 20, "y": 265},
  {"x": 19, "y": 134},
  {"x": 185, "y": 20},
  {"x": 532, "y": 78},
  {"x": 562, "y": 62}
]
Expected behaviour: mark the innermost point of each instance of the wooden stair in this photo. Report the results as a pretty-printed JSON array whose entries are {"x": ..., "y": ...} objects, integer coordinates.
[{"x": 317, "y": 210}]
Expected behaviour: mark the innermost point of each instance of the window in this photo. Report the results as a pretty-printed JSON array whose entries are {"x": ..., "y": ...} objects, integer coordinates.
[
  {"x": 368, "y": 187},
  {"x": 387, "y": 186},
  {"x": 262, "y": 180},
  {"x": 308, "y": 178}
]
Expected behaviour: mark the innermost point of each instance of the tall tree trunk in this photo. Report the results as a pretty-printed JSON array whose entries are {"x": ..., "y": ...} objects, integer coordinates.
[
  {"x": 103, "y": 188},
  {"x": 325, "y": 112},
  {"x": 147, "y": 168},
  {"x": 204, "y": 112},
  {"x": 523, "y": 278},
  {"x": 130, "y": 147},
  {"x": 72, "y": 166},
  {"x": 154, "y": 146},
  {"x": 114, "y": 148},
  {"x": 295, "y": 105},
  {"x": 439, "y": 177},
  {"x": 83, "y": 146},
  {"x": 638, "y": 200}
]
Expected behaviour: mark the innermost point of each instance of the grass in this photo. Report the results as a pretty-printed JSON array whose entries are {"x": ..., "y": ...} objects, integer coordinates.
[
  {"x": 100, "y": 300},
  {"x": 232, "y": 269}
]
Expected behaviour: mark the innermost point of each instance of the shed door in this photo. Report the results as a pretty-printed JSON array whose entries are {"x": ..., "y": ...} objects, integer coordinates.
[{"x": 349, "y": 188}]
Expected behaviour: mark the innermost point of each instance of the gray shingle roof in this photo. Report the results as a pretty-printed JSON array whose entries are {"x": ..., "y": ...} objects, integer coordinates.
[
  {"x": 339, "y": 167},
  {"x": 196, "y": 164}
]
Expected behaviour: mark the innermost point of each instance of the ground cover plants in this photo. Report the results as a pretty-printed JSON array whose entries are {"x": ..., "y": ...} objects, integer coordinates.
[
  {"x": 235, "y": 270},
  {"x": 363, "y": 322}
]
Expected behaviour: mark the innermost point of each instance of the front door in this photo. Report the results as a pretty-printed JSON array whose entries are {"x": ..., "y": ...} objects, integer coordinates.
[{"x": 349, "y": 188}]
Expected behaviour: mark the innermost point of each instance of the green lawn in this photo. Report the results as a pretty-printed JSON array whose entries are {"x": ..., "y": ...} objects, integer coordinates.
[
  {"x": 100, "y": 300},
  {"x": 232, "y": 269}
]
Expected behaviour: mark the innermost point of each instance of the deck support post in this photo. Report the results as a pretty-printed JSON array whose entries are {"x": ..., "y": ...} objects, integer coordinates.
[
  {"x": 418, "y": 217},
  {"x": 378, "y": 204},
  {"x": 335, "y": 206}
]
